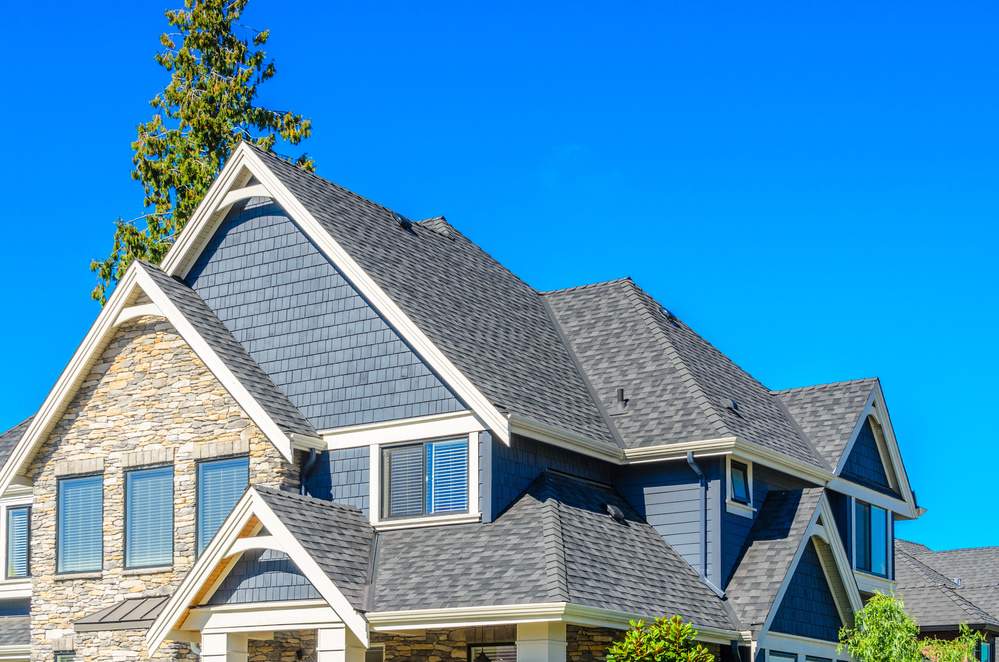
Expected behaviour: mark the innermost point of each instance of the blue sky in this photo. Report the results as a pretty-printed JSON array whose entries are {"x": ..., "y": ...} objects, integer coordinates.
[{"x": 811, "y": 186}]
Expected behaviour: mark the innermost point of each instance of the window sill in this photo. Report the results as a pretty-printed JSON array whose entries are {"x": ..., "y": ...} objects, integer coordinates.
[
  {"x": 432, "y": 520},
  {"x": 741, "y": 509},
  {"x": 68, "y": 577},
  {"x": 147, "y": 571}
]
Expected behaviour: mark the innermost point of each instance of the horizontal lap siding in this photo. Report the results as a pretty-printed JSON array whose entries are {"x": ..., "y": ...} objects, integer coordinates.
[{"x": 307, "y": 327}]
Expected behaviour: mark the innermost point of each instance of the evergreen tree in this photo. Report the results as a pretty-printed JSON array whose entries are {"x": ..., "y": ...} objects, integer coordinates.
[{"x": 207, "y": 108}]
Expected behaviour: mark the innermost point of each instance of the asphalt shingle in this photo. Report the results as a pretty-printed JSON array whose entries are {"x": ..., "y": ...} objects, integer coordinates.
[
  {"x": 828, "y": 413},
  {"x": 15, "y": 630},
  {"x": 9, "y": 439}
]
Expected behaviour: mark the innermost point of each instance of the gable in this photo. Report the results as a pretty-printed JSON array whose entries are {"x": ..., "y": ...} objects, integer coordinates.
[
  {"x": 307, "y": 327},
  {"x": 808, "y": 608},
  {"x": 264, "y": 575},
  {"x": 864, "y": 464}
]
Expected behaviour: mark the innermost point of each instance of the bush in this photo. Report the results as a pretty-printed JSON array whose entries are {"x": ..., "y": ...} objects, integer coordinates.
[
  {"x": 961, "y": 649},
  {"x": 882, "y": 632},
  {"x": 664, "y": 640}
]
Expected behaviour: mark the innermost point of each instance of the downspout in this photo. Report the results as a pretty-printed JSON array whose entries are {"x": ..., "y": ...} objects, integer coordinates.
[
  {"x": 703, "y": 480},
  {"x": 307, "y": 466}
]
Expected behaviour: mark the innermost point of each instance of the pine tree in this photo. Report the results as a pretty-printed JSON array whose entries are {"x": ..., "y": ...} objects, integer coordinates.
[{"x": 207, "y": 108}]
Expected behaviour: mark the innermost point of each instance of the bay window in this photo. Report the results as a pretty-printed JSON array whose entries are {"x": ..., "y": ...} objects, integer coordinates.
[
  {"x": 80, "y": 522},
  {"x": 872, "y": 543},
  {"x": 149, "y": 517},
  {"x": 18, "y": 542},
  {"x": 425, "y": 478},
  {"x": 221, "y": 483}
]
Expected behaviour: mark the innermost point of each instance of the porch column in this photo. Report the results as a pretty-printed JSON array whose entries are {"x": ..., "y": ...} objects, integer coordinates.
[
  {"x": 541, "y": 642},
  {"x": 224, "y": 647},
  {"x": 335, "y": 644}
]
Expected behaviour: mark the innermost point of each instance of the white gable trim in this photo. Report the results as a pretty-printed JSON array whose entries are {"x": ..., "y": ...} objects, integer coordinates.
[
  {"x": 887, "y": 445},
  {"x": 103, "y": 329},
  {"x": 226, "y": 544},
  {"x": 843, "y": 569},
  {"x": 245, "y": 163}
]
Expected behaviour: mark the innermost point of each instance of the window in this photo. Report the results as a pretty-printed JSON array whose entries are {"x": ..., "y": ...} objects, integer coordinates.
[
  {"x": 149, "y": 517},
  {"x": 65, "y": 657},
  {"x": 740, "y": 482},
  {"x": 80, "y": 537},
  {"x": 985, "y": 654},
  {"x": 375, "y": 654},
  {"x": 425, "y": 479},
  {"x": 18, "y": 541},
  {"x": 872, "y": 544},
  {"x": 775, "y": 656},
  {"x": 220, "y": 485},
  {"x": 493, "y": 653}
]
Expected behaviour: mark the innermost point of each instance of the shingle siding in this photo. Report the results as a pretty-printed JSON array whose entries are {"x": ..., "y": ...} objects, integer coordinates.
[
  {"x": 808, "y": 608},
  {"x": 843, "y": 513},
  {"x": 264, "y": 576},
  {"x": 864, "y": 465},
  {"x": 307, "y": 327},
  {"x": 668, "y": 495}
]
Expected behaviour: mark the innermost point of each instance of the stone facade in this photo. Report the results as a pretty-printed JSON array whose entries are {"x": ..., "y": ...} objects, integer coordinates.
[{"x": 148, "y": 399}]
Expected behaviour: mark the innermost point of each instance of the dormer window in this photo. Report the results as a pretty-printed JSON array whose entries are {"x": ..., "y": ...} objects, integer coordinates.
[
  {"x": 740, "y": 483},
  {"x": 872, "y": 543},
  {"x": 739, "y": 488},
  {"x": 426, "y": 478}
]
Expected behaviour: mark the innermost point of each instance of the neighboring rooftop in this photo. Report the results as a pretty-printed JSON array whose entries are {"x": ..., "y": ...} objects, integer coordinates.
[{"x": 10, "y": 438}]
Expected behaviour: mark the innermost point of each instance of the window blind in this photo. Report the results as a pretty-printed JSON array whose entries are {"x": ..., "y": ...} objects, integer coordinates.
[
  {"x": 404, "y": 470},
  {"x": 80, "y": 503},
  {"x": 149, "y": 518},
  {"x": 18, "y": 532},
  {"x": 447, "y": 476},
  {"x": 221, "y": 483}
]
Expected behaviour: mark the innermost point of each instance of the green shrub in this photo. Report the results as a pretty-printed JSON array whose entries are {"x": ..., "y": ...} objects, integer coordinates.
[
  {"x": 882, "y": 632},
  {"x": 664, "y": 640}
]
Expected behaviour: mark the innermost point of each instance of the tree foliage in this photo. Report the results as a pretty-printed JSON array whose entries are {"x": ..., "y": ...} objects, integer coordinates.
[
  {"x": 962, "y": 649},
  {"x": 207, "y": 108},
  {"x": 882, "y": 632},
  {"x": 664, "y": 640}
]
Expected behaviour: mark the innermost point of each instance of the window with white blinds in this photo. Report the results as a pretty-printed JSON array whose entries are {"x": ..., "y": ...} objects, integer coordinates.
[
  {"x": 80, "y": 536},
  {"x": 18, "y": 541},
  {"x": 425, "y": 479},
  {"x": 221, "y": 483},
  {"x": 149, "y": 517}
]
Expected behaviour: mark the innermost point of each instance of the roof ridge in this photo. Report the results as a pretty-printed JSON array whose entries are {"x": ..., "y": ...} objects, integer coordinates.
[
  {"x": 575, "y": 288},
  {"x": 811, "y": 387},
  {"x": 927, "y": 571},
  {"x": 643, "y": 300},
  {"x": 306, "y": 498},
  {"x": 554, "y": 546}
]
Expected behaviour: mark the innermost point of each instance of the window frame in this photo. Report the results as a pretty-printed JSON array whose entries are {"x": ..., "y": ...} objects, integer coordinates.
[
  {"x": 197, "y": 492},
  {"x": 64, "y": 656},
  {"x": 173, "y": 522},
  {"x": 868, "y": 552},
  {"x": 732, "y": 505},
  {"x": 58, "y": 528},
  {"x": 5, "y": 530},
  {"x": 469, "y": 647},
  {"x": 384, "y": 484}
]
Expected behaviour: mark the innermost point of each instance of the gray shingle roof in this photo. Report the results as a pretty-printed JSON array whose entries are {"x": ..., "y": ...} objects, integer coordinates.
[
  {"x": 9, "y": 439},
  {"x": 337, "y": 537},
  {"x": 828, "y": 413},
  {"x": 249, "y": 374},
  {"x": 770, "y": 549},
  {"x": 945, "y": 589},
  {"x": 489, "y": 323},
  {"x": 15, "y": 630},
  {"x": 129, "y": 614},
  {"x": 674, "y": 380},
  {"x": 555, "y": 544}
]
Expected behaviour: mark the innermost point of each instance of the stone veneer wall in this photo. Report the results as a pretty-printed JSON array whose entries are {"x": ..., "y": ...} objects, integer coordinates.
[{"x": 148, "y": 399}]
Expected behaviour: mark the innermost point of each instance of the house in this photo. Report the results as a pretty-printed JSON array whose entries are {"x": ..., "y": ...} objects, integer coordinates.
[
  {"x": 320, "y": 430},
  {"x": 944, "y": 590}
]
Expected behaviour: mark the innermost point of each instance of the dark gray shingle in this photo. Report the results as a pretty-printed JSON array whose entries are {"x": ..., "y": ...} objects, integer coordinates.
[
  {"x": 828, "y": 413},
  {"x": 15, "y": 630},
  {"x": 9, "y": 439}
]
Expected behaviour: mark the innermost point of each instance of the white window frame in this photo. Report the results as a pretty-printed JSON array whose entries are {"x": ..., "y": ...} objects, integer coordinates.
[
  {"x": 21, "y": 586},
  {"x": 866, "y": 581},
  {"x": 732, "y": 506}
]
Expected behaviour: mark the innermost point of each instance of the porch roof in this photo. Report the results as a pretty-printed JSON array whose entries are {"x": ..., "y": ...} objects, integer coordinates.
[{"x": 129, "y": 614}]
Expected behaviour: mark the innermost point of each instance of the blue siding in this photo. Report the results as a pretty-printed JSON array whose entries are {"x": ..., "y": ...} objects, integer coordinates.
[
  {"x": 514, "y": 467},
  {"x": 668, "y": 495},
  {"x": 864, "y": 465},
  {"x": 308, "y": 328},
  {"x": 342, "y": 476},
  {"x": 843, "y": 513},
  {"x": 808, "y": 608},
  {"x": 264, "y": 576}
]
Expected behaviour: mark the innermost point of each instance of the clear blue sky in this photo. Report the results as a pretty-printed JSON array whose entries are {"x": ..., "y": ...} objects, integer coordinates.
[{"x": 812, "y": 186}]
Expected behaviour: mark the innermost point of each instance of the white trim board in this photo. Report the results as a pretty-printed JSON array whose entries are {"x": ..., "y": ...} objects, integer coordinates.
[
  {"x": 176, "y": 615},
  {"x": 244, "y": 163},
  {"x": 100, "y": 334}
]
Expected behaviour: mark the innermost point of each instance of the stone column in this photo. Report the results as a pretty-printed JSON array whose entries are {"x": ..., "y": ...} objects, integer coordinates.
[
  {"x": 335, "y": 644},
  {"x": 541, "y": 642},
  {"x": 224, "y": 647}
]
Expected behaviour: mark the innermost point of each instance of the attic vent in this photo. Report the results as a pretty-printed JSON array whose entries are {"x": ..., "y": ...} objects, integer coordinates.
[
  {"x": 403, "y": 222},
  {"x": 957, "y": 582},
  {"x": 668, "y": 314},
  {"x": 616, "y": 513},
  {"x": 729, "y": 403}
]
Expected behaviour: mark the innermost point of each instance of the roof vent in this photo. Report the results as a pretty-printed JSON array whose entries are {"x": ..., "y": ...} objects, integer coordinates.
[
  {"x": 403, "y": 222},
  {"x": 668, "y": 314},
  {"x": 616, "y": 513},
  {"x": 620, "y": 400},
  {"x": 729, "y": 403}
]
